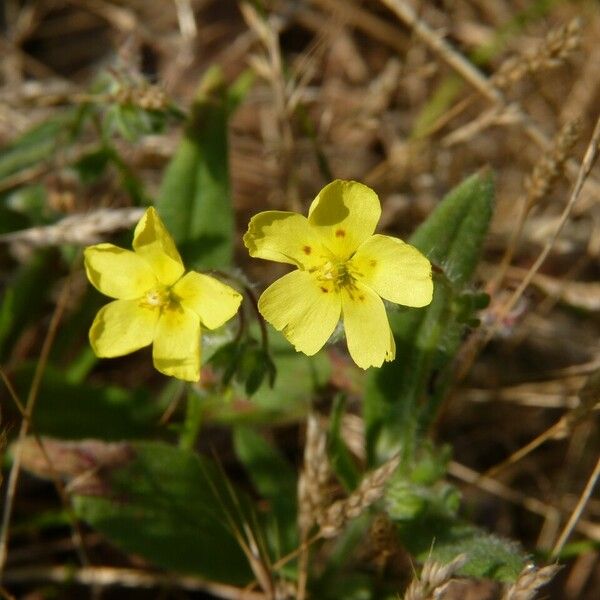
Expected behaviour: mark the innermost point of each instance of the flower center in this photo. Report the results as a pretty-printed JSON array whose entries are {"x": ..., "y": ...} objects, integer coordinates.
[
  {"x": 157, "y": 297},
  {"x": 339, "y": 274}
]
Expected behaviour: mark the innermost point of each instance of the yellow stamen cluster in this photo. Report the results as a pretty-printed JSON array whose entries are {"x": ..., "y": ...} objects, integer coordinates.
[
  {"x": 339, "y": 274},
  {"x": 157, "y": 297}
]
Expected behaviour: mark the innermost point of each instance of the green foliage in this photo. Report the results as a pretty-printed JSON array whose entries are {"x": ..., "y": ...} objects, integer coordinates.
[
  {"x": 22, "y": 299},
  {"x": 339, "y": 456},
  {"x": 36, "y": 146},
  {"x": 275, "y": 480},
  {"x": 245, "y": 361},
  {"x": 402, "y": 397},
  {"x": 175, "y": 508},
  {"x": 425, "y": 511},
  {"x": 195, "y": 196},
  {"x": 172, "y": 507},
  {"x": 443, "y": 539},
  {"x": 69, "y": 410}
]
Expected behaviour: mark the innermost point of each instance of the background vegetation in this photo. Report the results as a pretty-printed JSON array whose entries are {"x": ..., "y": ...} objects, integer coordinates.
[{"x": 458, "y": 470}]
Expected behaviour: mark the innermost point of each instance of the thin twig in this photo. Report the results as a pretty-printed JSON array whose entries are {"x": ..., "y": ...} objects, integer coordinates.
[
  {"x": 438, "y": 44},
  {"x": 586, "y": 166},
  {"x": 477, "y": 79},
  {"x": 478, "y": 341},
  {"x": 25, "y": 422},
  {"x": 576, "y": 514},
  {"x": 127, "y": 578},
  {"x": 533, "y": 505}
]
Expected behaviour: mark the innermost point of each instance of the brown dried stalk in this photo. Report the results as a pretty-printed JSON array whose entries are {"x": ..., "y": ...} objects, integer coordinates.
[
  {"x": 558, "y": 45},
  {"x": 529, "y": 581},
  {"x": 80, "y": 229},
  {"x": 371, "y": 488},
  {"x": 433, "y": 576}
]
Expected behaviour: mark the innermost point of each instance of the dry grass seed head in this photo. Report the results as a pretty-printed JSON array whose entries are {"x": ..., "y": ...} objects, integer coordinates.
[
  {"x": 529, "y": 581},
  {"x": 552, "y": 163},
  {"x": 315, "y": 474},
  {"x": 554, "y": 50},
  {"x": 371, "y": 488},
  {"x": 434, "y": 575}
]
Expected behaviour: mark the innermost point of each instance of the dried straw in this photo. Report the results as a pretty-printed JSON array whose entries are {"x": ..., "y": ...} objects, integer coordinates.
[
  {"x": 433, "y": 576},
  {"x": 371, "y": 488},
  {"x": 529, "y": 581},
  {"x": 314, "y": 476},
  {"x": 558, "y": 45}
]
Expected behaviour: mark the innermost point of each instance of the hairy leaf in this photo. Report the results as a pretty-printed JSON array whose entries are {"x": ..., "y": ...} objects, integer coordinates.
[
  {"x": 402, "y": 397},
  {"x": 172, "y": 507}
]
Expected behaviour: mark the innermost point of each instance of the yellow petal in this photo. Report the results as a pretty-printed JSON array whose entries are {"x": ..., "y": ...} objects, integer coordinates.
[
  {"x": 285, "y": 237},
  {"x": 395, "y": 270},
  {"x": 213, "y": 301},
  {"x": 118, "y": 273},
  {"x": 368, "y": 333},
  {"x": 153, "y": 242},
  {"x": 346, "y": 214},
  {"x": 305, "y": 311},
  {"x": 121, "y": 327},
  {"x": 176, "y": 350}
]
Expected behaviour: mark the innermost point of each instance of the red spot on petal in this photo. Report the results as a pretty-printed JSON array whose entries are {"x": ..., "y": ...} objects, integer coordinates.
[
  {"x": 307, "y": 250},
  {"x": 373, "y": 263},
  {"x": 324, "y": 290},
  {"x": 340, "y": 233}
]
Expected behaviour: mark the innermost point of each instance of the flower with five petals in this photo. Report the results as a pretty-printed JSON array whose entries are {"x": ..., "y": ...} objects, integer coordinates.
[
  {"x": 155, "y": 303},
  {"x": 343, "y": 270}
]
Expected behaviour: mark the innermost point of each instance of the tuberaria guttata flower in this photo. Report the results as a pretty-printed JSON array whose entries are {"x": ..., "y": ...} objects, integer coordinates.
[
  {"x": 155, "y": 303},
  {"x": 343, "y": 271}
]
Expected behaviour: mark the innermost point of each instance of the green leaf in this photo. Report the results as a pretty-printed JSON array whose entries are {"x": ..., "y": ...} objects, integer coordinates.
[
  {"x": 31, "y": 202},
  {"x": 402, "y": 397},
  {"x": 453, "y": 234},
  {"x": 245, "y": 361},
  {"x": 339, "y": 456},
  {"x": 444, "y": 539},
  {"x": 36, "y": 145},
  {"x": 23, "y": 299},
  {"x": 74, "y": 411},
  {"x": 195, "y": 196},
  {"x": 173, "y": 508},
  {"x": 275, "y": 480},
  {"x": 287, "y": 399}
]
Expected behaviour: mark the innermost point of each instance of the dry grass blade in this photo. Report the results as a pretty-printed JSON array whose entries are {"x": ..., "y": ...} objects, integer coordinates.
[
  {"x": 531, "y": 504},
  {"x": 270, "y": 66},
  {"x": 586, "y": 166},
  {"x": 589, "y": 396},
  {"x": 106, "y": 577},
  {"x": 477, "y": 79},
  {"x": 529, "y": 581},
  {"x": 81, "y": 229},
  {"x": 13, "y": 478},
  {"x": 546, "y": 171},
  {"x": 371, "y": 488},
  {"x": 433, "y": 577},
  {"x": 576, "y": 515}
]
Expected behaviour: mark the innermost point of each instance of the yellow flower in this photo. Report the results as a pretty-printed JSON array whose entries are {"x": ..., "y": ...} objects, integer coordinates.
[
  {"x": 343, "y": 271},
  {"x": 155, "y": 302}
]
